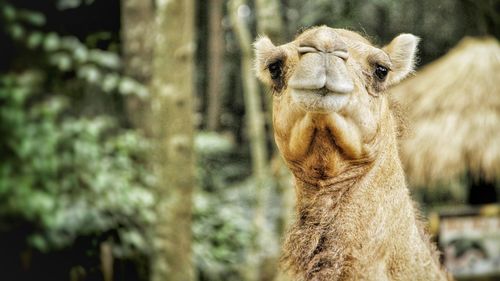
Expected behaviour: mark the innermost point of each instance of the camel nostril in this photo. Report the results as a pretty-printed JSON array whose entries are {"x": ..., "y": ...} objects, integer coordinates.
[
  {"x": 343, "y": 54},
  {"x": 307, "y": 49}
]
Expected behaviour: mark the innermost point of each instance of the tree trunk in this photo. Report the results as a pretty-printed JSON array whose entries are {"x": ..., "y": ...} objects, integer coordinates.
[
  {"x": 215, "y": 67},
  {"x": 270, "y": 23},
  {"x": 172, "y": 117},
  {"x": 253, "y": 102},
  {"x": 106, "y": 257},
  {"x": 256, "y": 133}
]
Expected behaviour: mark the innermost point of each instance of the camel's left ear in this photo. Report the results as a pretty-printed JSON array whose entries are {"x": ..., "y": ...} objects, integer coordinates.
[{"x": 403, "y": 51}]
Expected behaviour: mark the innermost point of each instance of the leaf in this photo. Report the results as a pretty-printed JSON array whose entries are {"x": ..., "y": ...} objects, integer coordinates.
[
  {"x": 9, "y": 12},
  {"x": 90, "y": 73},
  {"x": 34, "y": 40},
  {"x": 38, "y": 242},
  {"x": 62, "y": 61},
  {"x": 17, "y": 31},
  {"x": 35, "y": 18},
  {"x": 110, "y": 82},
  {"x": 51, "y": 42},
  {"x": 80, "y": 53},
  {"x": 127, "y": 86},
  {"x": 105, "y": 59}
]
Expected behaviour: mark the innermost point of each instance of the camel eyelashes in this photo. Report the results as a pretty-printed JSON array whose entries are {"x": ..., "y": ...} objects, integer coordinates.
[
  {"x": 381, "y": 72},
  {"x": 275, "y": 69}
]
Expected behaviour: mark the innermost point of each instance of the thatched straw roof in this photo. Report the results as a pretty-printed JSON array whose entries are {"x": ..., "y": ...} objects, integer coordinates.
[{"x": 453, "y": 109}]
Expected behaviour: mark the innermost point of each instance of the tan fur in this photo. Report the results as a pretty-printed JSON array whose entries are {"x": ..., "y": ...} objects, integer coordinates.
[{"x": 355, "y": 218}]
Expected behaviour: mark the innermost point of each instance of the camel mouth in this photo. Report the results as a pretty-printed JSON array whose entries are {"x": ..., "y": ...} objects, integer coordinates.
[{"x": 320, "y": 100}]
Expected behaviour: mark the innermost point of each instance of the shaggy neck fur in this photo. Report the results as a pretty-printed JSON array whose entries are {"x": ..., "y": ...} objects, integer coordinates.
[{"x": 361, "y": 224}]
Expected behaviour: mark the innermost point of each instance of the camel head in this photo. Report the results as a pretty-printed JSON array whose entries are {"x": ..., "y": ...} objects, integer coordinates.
[{"x": 328, "y": 86}]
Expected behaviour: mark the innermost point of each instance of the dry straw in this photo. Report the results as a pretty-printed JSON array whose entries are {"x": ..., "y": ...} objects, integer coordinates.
[{"x": 453, "y": 109}]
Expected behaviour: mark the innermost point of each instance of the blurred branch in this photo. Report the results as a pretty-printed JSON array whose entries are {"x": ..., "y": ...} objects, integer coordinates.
[
  {"x": 269, "y": 20},
  {"x": 215, "y": 67},
  {"x": 254, "y": 116},
  {"x": 270, "y": 23},
  {"x": 238, "y": 11}
]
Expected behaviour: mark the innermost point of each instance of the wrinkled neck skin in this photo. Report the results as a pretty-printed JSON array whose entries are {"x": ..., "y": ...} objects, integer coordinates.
[
  {"x": 355, "y": 219},
  {"x": 335, "y": 148}
]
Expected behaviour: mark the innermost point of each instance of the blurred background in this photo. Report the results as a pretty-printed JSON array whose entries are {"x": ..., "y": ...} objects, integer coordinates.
[{"x": 136, "y": 143}]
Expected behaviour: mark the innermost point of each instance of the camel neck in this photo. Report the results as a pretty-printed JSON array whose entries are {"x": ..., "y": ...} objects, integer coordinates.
[
  {"x": 364, "y": 179},
  {"x": 333, "y": 219}
]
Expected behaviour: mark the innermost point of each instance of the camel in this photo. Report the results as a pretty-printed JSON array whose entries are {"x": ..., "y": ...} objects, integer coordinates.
[{"x": 336, "y": 130}]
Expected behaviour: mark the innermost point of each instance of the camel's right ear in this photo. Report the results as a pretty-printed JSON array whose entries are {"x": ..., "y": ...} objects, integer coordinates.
[
  {"x": 265, "y": 53},
  {"x": 403, "y": 53}
]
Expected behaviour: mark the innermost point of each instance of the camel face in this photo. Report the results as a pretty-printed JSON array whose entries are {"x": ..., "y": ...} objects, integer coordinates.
[
  {"x": 328, "y": 89},
  {"x": 324, "y": 67}
]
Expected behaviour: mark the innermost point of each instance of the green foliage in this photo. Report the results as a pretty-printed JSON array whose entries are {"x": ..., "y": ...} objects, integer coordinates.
[
  {"x": 222, "y": 226},
  {"x": 68, "y": 54},
  {"x": 70, "y": 175}
]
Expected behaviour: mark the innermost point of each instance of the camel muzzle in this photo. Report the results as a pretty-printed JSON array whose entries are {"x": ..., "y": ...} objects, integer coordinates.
[{"x": 317, "y": 70}]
